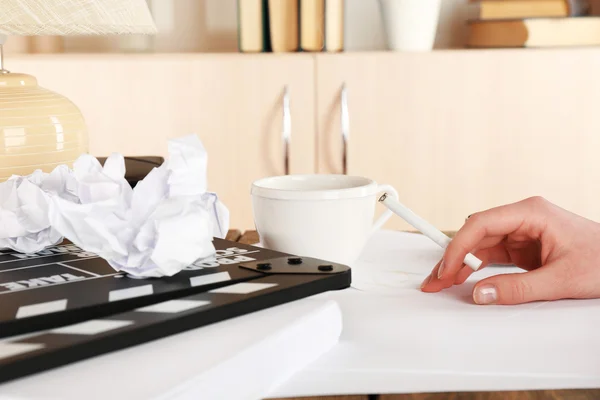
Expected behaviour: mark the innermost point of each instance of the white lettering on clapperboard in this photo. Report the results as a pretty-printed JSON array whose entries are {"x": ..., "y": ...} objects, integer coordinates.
[
  {"x": 52, "y": 251},
  {"x": 230, "y": 255},
  {"x": 43, "y": 281}
]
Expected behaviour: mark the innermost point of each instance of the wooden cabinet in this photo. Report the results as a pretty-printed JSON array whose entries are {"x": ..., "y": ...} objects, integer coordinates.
[
  {"x": 461, "y": 131},
  {"x": 134, "y": 103},
  {"x": 454, "y": 131}
]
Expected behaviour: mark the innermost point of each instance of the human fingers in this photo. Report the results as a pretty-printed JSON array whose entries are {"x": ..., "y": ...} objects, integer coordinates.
[
  {"x": 436, "y": 273},
  {"x": 492, "y": 255},
  {"x": 526, "y": 257},
  {"x": 499, "y": 221},
  {"x": 433, "y": 283},
  {"x": 535, "y": 285},
  {"x": 463, "y": 274}
]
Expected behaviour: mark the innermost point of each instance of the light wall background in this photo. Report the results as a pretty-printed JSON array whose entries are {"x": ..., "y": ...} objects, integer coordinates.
[{"x": 211, "y": 26}]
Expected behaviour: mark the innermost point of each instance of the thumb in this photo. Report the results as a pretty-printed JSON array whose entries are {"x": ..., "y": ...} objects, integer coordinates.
[{"x": 539, "y": 284}]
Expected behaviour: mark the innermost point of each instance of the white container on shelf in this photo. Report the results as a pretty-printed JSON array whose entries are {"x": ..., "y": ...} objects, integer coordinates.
[{"x": 410, "y": 25}]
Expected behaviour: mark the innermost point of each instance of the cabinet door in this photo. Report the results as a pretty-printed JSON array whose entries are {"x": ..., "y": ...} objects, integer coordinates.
[
  {"x": 134, "y": 103},
  {"x": 462, "y": 131}
]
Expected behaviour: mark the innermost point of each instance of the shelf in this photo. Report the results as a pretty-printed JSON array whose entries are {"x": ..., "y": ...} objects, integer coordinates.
[
  {"x": 146, "y": 56},
  {"x": 470, "y": 52}
]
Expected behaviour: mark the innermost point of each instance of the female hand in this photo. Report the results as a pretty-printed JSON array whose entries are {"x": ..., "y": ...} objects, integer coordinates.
[{"x": 560, "y": 250}]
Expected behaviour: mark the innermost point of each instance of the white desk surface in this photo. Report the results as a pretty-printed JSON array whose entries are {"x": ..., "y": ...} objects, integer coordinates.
[
  {"x": 396, "y": 339},
  {"x": 387, "y": 347},
  {"x": 399, "y": 340}
]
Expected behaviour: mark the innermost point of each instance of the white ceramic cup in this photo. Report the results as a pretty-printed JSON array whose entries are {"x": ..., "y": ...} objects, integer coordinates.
[
  {"x": 329, "y": 217},
  {"x": 410, "y": 25}
]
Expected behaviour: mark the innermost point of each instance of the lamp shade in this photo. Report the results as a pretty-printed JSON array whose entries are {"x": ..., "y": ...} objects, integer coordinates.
[{"x": 75, "y": 17}]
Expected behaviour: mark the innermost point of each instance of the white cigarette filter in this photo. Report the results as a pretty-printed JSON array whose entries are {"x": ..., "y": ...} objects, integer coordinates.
[{"x": 424, "y": 227}]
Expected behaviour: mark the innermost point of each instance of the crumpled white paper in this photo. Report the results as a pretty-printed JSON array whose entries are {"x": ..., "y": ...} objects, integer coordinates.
[
  {"x": 24, "y": 201},
  {"x": 162, "y": 226}
]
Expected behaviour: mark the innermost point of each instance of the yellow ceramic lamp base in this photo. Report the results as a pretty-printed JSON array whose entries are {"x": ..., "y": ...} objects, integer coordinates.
[{"x": 39, "y": 129}]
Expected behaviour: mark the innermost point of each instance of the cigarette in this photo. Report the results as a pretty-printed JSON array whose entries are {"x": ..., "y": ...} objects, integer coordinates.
[{"x": 425, "y": 227}]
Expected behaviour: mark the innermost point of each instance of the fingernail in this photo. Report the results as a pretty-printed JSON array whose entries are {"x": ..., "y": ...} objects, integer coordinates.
[
  {"x": 441, "y": 270},
  {"x": 485, "y": 294},
  {"x": 426, "y": 281}
]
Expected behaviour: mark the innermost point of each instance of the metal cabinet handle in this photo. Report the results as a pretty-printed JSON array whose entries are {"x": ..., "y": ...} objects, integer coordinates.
[
  {"x": 345, "y": 127},
  {"x": 287, "y": 129}
]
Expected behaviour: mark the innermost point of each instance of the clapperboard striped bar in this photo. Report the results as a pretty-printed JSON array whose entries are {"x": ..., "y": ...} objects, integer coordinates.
[
  {"x": 64, "y": 284},
  {"x": 66, "y": 305}
]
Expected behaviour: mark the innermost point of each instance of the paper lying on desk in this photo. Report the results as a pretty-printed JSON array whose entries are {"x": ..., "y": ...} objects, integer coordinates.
[
  {"x": 397, "y": 339},
  {"x": 156, "y": 229},
  {"x": 393, "y": 260}
]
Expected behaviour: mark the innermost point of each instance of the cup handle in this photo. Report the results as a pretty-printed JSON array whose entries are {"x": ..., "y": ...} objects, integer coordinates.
[{"x": 387, "y": 213}]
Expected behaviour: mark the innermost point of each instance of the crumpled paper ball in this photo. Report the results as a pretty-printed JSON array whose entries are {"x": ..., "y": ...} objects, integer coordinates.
[
  {"x": 163, "y": 225},
  {"x": 24, "y": 202}
]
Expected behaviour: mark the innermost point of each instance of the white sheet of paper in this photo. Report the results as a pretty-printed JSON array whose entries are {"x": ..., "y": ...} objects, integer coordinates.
[
  {"x": 243, "y": 358},
  {"x": 393, "y": 260},
  {"x": 397, "y": 339}
]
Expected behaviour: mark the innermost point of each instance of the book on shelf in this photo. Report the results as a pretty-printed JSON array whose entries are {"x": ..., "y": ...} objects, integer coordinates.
[
  {"x": 533, "y": 23},
  {"x": 322, "y": 25},
  {"x": 283, "y": 23},
  {"x": 290, "y": 25},
  {"x": 593, "y": 7},
  {"x": 312, "y": 25},
  {"x": 535, "y": 32},
  {"x": 510, "y": 9},
  {"x": 334, "y": 25},
  {"x": 253, "y": 34}
]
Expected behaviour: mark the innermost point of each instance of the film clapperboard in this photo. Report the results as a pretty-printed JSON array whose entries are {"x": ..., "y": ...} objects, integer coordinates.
[{"x": 63, "y": 305}]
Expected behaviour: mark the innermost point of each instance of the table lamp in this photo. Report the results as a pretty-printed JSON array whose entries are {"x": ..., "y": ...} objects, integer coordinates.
[{"x": 41, "y": 129}]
